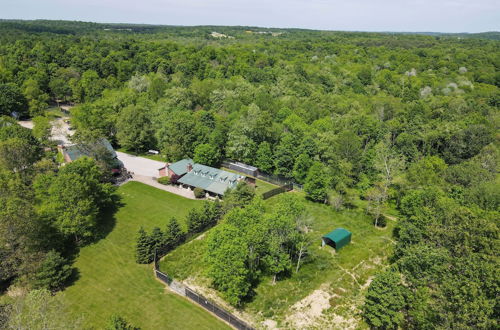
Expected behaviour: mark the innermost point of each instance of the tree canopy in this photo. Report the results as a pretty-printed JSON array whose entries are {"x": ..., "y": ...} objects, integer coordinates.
[{"x": 381, "y": 121}]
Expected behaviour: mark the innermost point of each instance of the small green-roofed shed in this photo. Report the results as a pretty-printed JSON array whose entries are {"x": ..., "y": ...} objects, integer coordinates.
[{"x": 337, "y": 239}]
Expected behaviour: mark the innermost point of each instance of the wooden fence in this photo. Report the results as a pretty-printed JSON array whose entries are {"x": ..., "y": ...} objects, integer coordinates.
[{"x": 276, "y": 191}]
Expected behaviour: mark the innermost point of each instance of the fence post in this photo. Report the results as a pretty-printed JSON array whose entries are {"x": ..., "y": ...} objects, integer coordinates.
[{"x": 154, "y": 260}]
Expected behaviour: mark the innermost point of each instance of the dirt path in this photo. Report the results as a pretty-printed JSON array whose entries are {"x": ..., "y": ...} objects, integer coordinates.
[{"x": 390, "y": 217}]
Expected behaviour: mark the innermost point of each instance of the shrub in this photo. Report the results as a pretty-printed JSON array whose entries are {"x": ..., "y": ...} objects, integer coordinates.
[
  {"x": 164, "y": 180},
  {"x": 199, "y": 193},
  {"x": 174, "y": 178},
  {"x": 119, "y": 323},
  {"x": 60, "y": 158},
  {"x": 336, "y": 200}
]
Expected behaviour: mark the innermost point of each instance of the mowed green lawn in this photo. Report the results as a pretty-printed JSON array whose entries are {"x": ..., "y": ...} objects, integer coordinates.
[
  {"x": 260, "y": 186},
  {"x": 345, "y": 275},
  {"x": 111, "y": 282}
]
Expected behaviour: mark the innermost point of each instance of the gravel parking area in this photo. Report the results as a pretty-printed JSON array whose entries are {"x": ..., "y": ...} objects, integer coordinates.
[
  {"x": 140, "y": 165},
  {"x": 60, "y": 130}
]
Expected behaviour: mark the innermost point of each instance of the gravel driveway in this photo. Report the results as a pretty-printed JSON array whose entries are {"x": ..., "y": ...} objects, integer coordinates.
[
  {"x": 60, "y": 132},
  {"x": 140, "y": 165}
]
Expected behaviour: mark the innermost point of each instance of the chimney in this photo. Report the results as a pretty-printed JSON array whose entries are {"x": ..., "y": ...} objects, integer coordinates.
[{"x": 189, "y": 167}]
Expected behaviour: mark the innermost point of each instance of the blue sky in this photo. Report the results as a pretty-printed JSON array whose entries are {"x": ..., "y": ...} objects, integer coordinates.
[{"x": 351, "y": 15}]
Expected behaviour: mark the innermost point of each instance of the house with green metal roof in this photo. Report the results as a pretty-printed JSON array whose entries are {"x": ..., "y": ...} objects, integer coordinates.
[
  {"x": 177, "y": 169},
  {"x": 73, "y": 152},
  {"x": 213, "y": 180},
  {"x": 337, "y": 239}
]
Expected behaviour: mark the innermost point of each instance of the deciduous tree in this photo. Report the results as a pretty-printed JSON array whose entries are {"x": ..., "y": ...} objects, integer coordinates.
[
  {"x": 317, "y": 183},
  {"x": 134, "y": 128},
  {"x": 206, "y": 154},
  {"x": 12, "y": 100},
  {"x": 385, "y": 301}
]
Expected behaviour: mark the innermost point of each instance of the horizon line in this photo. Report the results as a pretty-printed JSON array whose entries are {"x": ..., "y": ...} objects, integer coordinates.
[{"x": 250, "y": 26}]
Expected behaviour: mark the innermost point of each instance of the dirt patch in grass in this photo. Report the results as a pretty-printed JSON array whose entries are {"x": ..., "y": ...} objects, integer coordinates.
[
  {"x": 270, "y": 324},
  {"x": 367, "y": 283},
  {"x": 308, "y": 311},
  {"x": 340, "y": 322},
  {"x": 14, "y": 292}
]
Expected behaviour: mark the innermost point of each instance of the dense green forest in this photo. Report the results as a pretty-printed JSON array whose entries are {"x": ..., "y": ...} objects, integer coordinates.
[{"x": 397, "y": 120}]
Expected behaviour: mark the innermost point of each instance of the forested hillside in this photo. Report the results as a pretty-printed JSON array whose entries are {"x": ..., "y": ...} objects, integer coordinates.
[{"x": 400, "y": 121}]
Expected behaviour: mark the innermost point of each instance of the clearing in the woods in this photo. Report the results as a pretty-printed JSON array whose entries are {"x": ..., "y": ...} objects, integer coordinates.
[
  {"x": 110, "y": 282},
  {"x": 328, "y": 289}
]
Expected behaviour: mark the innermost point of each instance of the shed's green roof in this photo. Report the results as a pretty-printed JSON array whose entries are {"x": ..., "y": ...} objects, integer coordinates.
[
  {"x": 180, "y": 167},
  {"x": 210, "y": 179},
  {"x": 340, "y": 236},
  {"x": 78, "y": 150}
]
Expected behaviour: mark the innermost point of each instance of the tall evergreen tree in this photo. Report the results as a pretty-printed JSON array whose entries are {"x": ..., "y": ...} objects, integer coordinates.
[
  {"x": 53, "y": 272},
  {"x": 173, "y": 234},
  {"x": 156, "y": 238},
  {"x": 211, "y": 212},
  {"x": 143, "y": 247},
  {"x": 195, "y": 221}
]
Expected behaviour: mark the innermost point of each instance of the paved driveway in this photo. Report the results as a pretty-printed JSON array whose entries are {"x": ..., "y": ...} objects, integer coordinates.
[{"x": 140, "y": 165}]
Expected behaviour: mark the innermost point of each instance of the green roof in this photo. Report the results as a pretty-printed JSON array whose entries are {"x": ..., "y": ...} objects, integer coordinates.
[
  {"x": 340, "y": 237},
  {"x": 210, "y": 179},
  {"x": 76, "y": 151},
  {"x": 180, "y": 167}
]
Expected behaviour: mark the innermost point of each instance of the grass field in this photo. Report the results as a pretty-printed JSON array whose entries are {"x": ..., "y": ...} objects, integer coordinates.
[
  {"x": 260, "y": 186},
  {"x": 333, "y": 283},
  {"x": 111, "y": 282},
  {"x": 54, "y": 112}
]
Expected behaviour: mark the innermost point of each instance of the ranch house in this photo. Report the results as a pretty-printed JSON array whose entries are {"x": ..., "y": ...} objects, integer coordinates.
[{"x": 191, "y": 175}]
